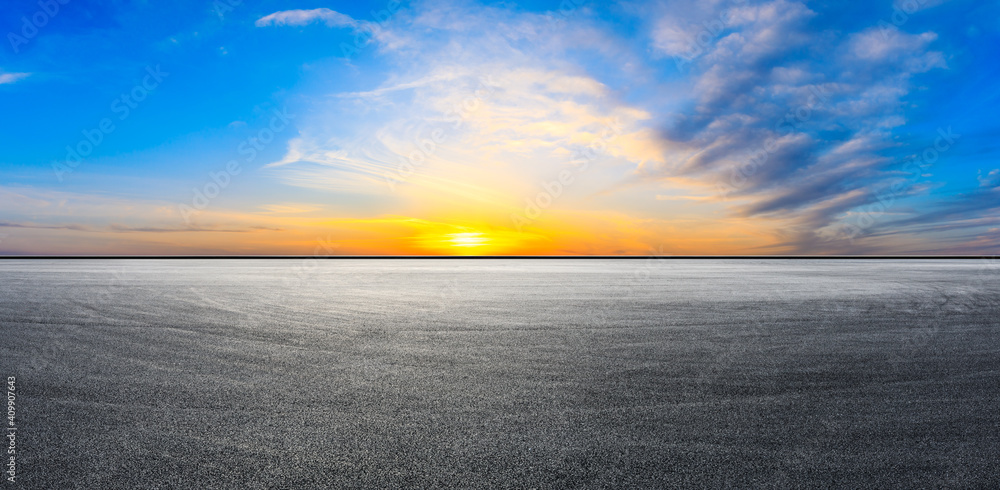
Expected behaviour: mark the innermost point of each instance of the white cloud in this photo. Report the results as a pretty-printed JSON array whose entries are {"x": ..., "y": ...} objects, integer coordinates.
[
  {"x": 674, "y": 40},
  {"x": 876, "y": 45},
  {"x": 991, "y": 179},
  {"x": 6, "y": 78},
  {"x": 510, "y": 109},
  {"x": 303, "y": 17}
]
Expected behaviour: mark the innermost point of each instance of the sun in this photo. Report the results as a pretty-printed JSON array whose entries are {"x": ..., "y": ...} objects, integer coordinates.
[
  {"x": 458, "y": 242},
  {"x": 467, "y": 240},
  {"x": 450, "y": 239}
]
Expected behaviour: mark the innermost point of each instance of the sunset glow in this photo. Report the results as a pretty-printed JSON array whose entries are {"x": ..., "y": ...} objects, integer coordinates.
[{"x": 465, "y": 128}]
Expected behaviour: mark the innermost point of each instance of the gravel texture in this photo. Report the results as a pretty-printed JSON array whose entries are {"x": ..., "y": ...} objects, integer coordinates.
[{"x": 503, "y": 373}]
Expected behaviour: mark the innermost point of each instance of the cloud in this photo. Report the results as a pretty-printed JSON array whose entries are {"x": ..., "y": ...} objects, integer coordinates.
[
  {"x": 661, "y": 197},
  {"x": 991, "y": 179},
  {"x": 33, "y": 208},
  {"x": 6, "y": 78},
  {"x": 11, "y": 224},
  {"x": 40, "y": 221},
  {"x": 187, "y": 229},
  {"x": 304, "y": 17},
  {"x": 290, "y": 208},
  {"x": 481, "y": 106},
  {"x": 790, "y": 124},
  {"x": 899, "y": 50},
  {"x": 116, "y": 228}
]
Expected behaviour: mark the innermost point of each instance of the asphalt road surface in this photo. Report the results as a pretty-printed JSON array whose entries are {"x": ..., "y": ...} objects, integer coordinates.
[{"x": 502, "y": 373}]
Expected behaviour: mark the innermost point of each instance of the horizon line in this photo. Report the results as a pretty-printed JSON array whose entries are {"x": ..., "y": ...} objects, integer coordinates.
[{"x": 492, "y": 257}]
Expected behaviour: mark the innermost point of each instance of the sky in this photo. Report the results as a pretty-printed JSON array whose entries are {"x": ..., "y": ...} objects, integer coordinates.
[{"x": 455, "y": 127}]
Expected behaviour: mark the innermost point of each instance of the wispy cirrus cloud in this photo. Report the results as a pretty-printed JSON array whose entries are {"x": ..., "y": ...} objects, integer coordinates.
[
  {"x": 117, "y": 228},
  {"x": 42, "y": 209},
  {"x": 6, "y": 78},
  {"x": 329, "y": 17}
]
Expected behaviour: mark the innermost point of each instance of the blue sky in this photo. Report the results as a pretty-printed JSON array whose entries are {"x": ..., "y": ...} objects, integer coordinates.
[{"x": 682, "y": 127}]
